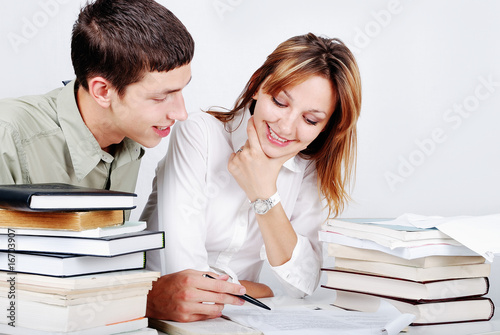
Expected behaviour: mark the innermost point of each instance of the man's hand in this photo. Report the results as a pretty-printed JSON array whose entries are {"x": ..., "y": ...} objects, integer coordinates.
[{"x": 180, "y": 296}]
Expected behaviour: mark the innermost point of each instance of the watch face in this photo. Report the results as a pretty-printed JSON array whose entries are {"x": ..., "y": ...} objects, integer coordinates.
[{"x": 261, "y": 206}]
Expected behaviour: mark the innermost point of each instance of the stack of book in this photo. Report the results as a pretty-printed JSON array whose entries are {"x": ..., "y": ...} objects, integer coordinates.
[
  {"x": 69, "y": 262},
  {"x": 419, "y": 271}
]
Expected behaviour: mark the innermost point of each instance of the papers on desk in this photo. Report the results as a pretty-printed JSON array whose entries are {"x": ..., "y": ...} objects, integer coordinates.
[
  {"x": 301, "y": 320},
  {"x": 478, "y": 233}
]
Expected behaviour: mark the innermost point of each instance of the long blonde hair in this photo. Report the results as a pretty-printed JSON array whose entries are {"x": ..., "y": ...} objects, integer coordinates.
[{"x": 334, "y": 150}]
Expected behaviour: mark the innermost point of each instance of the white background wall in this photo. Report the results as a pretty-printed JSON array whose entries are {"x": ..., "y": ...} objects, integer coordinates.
[{"x": 428, "y": 136}]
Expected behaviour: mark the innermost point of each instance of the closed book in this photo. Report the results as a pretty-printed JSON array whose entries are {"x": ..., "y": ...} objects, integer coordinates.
[
  {"x": 406, "y": 289},
  {"x": 91, "y": 246},
  {"x": 62, "y": 197},
  {"x": 423, "y": 250},
  {"x": 344, "y": 251},
  {"x": 75, "y": 221},
  {"x": 429, "y": 313},
  {"x": 75, "y": 287},
  {"x": 125, "y": 228},
  {"x": 67, "y": 265},
  {"x": 130, "y": 327},
  {"x": 96, "y": 311},
  {"x": 413, "y": 273}
]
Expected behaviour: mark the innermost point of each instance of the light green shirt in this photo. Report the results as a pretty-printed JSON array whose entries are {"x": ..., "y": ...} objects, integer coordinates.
[{"x": 43, "y": 139}]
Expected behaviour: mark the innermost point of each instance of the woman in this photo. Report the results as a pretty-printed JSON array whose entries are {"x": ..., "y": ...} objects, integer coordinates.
[{"x": 246, "y": 185}]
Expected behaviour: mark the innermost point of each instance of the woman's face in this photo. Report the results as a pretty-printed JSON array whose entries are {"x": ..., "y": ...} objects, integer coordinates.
[{"x": 289, "y": 121}]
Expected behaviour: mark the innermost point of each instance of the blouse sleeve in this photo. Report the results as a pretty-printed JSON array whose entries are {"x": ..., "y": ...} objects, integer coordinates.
[
  {"x": 300, "y": 275},
  {"x": 175, "y": 205}
]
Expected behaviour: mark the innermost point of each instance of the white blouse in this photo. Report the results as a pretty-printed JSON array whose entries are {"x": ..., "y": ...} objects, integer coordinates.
[{"x": 207, "y": 218}]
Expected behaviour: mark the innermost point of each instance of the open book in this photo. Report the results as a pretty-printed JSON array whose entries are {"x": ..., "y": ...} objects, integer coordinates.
[{"x": 289, "y": 317}]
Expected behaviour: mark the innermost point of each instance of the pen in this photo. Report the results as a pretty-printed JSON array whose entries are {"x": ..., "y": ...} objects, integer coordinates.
[{"x": 245, "y": 297}]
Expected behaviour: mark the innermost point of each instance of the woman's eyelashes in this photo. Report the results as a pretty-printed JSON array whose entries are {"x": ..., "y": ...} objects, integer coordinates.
[
  {"x": 280, "y": 104},
  {"x": 309, "y": 121}
]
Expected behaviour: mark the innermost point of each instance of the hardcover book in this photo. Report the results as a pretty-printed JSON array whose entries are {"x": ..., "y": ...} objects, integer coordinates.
[
  {"x": 406, "y": 289},
  {"x": 76, "y": 221},
  {"x": 62, "y": 197},
  {"x": 67, "y": 265},
  {"x": 429, "y": 313},
  {"x": 90, "y": 246}
]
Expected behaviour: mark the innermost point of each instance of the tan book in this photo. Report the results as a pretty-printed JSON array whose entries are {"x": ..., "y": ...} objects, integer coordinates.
[
  {"x": 406, "y": 289},
  {"x": 414, "y": 273},
  {"x": 76, "y": 221},
  {"x": 343, "y": 251}
]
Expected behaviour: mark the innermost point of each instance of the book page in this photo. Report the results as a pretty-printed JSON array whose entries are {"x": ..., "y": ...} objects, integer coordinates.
[
  {"x": 291, "y": 321},
  {"x": 478, "y": 233}
]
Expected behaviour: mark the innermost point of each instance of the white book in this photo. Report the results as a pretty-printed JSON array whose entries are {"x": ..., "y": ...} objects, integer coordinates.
[
  {"x": 91, "y": 246},
  {"x": 441, "y": 249},
  {"x": 125, "y": 228},
  {"x": 104, "y": 281},
  {"x": 414, "y": 273},
  {"x": 430, "y": 313},
  {"x": 96, "y": 312},
  {"x": 343, "y": 251},
  {"x": 132, "y": 327},
  {"x": 66, "y": 265},
  {"x": 406, "y": 289}
]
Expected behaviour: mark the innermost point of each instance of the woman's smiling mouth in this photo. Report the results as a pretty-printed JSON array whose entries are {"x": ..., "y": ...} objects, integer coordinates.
[{"x": 275, "y": 138}]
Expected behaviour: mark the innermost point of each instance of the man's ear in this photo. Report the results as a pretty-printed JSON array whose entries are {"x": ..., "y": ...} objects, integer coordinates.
[{"x": 101, "y": 90}]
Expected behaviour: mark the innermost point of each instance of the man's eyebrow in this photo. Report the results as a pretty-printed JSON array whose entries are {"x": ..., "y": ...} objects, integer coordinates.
[{"x": 173, "y": 90}]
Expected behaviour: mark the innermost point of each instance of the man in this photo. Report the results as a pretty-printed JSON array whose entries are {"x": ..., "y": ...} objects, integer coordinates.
[{"x": 132, "y": 60}]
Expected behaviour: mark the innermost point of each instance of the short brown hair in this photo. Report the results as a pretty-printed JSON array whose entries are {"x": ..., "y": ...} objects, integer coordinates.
[
  {"x": 121, "y": 40},
  {"x": 334, "y": 150}
]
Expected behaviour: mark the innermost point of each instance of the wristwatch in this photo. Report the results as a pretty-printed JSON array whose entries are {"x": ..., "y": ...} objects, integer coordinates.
[{"x": 263, "y": 206}]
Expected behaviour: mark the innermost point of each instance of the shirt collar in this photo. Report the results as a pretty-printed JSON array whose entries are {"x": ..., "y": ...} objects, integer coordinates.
[
  {"x": 84, "y": 149},
  {"x": 238, "y": 129}
]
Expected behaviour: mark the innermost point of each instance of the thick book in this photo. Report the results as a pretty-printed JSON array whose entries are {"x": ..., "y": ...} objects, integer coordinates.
[
  {"x": 62, "y": 197},
  {"x": 413, "y": 273},
  {"x": 90, "y": 246},
  {"x": 344, "y": 251},
  {"x": 430, "y": 313},
  {"x": 406, "y": 289},
  {"x": 67, "y": 265},
  {"x": 73, "y": 287},
  {"x": 93, "y": 311},
  {"x": 131, "y": 327},
  {"x": 75, "y": 221},
  {"x": 125, "y": 228},
  {"x": 424, "y": 250}
]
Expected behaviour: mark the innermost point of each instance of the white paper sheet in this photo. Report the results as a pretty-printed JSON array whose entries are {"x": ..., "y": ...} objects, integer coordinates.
[{"x": 300, "y": 320}]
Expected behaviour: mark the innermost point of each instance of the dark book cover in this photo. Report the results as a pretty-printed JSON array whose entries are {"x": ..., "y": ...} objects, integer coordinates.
[{"x": 20, "y": 196}]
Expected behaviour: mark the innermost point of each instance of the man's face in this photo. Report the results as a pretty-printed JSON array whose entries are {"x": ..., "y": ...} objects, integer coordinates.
[{"x": 149, "y": 108}]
